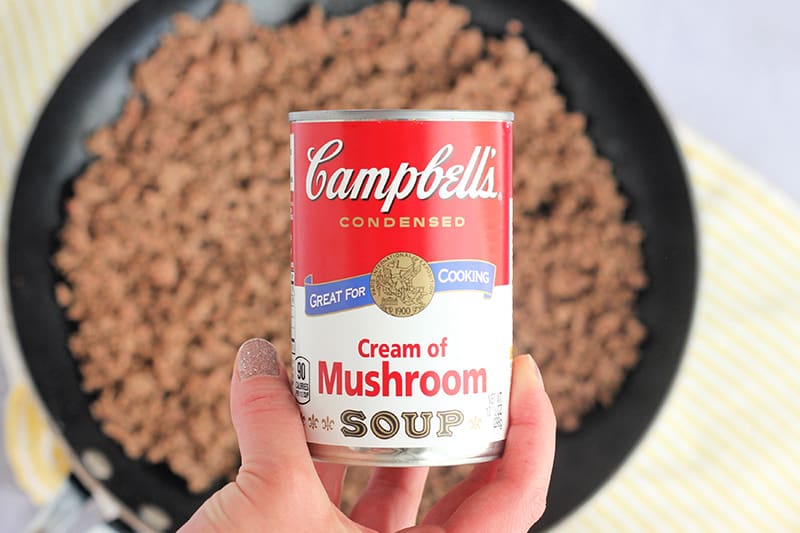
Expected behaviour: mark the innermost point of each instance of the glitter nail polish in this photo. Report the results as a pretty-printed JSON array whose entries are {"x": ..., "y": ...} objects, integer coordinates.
[{"x": 257, "y": 357}]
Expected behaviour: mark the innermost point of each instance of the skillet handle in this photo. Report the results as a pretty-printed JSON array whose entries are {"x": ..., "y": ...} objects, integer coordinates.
[{"x": 73, "y": 510}]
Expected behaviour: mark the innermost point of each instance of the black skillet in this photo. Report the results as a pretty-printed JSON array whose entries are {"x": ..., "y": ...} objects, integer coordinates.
[{"x": 624, "y": 123}]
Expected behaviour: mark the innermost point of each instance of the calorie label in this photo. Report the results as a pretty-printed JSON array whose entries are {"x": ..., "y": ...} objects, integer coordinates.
[{"x": 401, "y": 281}]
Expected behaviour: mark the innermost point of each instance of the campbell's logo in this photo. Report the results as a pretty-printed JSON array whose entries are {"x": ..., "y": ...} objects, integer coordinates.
[{"x": 473, "y": 180}]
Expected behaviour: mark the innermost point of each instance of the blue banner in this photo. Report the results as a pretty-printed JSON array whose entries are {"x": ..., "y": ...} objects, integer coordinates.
[
  {"x": 339, "y": 295},
  {"x": 464, "y": 275}
]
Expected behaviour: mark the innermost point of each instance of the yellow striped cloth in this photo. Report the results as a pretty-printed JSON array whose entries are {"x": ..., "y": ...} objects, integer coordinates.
[{"x": 723, "y": 453}]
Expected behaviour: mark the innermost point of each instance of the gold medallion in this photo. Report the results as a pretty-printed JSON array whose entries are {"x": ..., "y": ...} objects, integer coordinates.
[{"x": 402, "y": 284}]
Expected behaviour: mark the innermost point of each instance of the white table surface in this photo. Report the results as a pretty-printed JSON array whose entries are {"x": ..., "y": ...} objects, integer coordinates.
[{"x": 726, "y": 68}]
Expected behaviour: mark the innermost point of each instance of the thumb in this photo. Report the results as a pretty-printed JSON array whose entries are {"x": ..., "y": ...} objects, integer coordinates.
[
  {"x": 275, "y": 457},
  {"x": 264, "y": 413}
]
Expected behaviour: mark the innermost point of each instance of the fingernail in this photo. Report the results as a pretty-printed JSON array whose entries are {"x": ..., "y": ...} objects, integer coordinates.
[
  {"x": 257, "y": 357},
  {"x": 536, "y": 367},
  {"x": 532, "y": 362}
]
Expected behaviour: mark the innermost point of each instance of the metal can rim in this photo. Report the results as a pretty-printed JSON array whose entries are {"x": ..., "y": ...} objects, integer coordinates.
[{"x": 353, "y": 115}]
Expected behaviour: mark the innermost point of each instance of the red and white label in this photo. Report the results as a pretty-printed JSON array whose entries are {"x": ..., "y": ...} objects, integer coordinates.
[{"x": 401, "y": 257}]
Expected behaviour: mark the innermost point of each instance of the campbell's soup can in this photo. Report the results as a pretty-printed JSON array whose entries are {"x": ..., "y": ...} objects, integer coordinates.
[{"x": 401, "y": 284}]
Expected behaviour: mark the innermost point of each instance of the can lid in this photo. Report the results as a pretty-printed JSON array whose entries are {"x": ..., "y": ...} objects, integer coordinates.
[{"x": 350, "y": 115}]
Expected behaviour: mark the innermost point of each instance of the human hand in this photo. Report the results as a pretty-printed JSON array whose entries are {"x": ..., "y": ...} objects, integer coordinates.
[{"x": 279, "y": 487}]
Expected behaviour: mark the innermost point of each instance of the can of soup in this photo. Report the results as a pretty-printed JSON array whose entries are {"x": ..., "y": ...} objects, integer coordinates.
[{"x": 401, "y": 284}]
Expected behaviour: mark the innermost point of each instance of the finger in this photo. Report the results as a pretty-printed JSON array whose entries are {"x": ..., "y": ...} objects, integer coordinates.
[
  {"x": 265, "y": 415},
  {"x": 516, "y": 498},
  {"x": 391, "y": 500},
  {"x": 478, "y": 478},
  {"x": 332, "y": 477}
]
